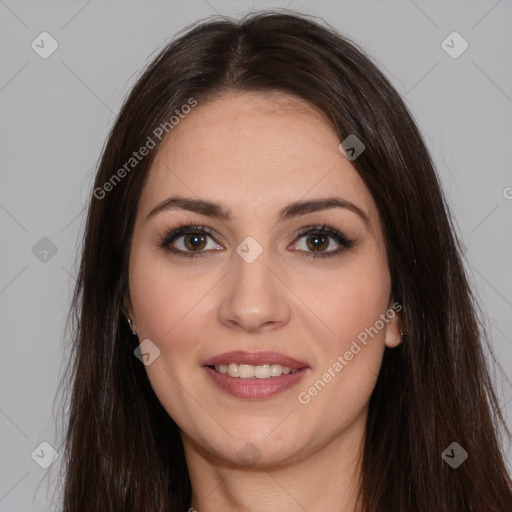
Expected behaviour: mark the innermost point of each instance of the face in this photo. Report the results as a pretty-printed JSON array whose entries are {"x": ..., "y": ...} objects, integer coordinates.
[{"x": 310, "y": 284}]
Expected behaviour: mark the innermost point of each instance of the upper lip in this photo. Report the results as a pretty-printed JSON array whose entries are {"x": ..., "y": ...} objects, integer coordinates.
[{"x": 255, "y": 358}]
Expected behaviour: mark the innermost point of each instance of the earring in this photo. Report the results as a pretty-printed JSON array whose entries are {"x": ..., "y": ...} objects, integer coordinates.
[
  {"x": 130, "y": 322},
  {"x": 403, "y": 333}
]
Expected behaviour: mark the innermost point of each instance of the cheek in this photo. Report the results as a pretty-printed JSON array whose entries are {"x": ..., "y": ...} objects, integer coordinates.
[
  {"x": 173, "y": 309},
  {"x": 163, "y": 298},
  {"x": 352, "y": 339},
  {"x": 346, "y": 303},
  {"x": 354, "y": 313},
  {"x": 169, "y": 311}
]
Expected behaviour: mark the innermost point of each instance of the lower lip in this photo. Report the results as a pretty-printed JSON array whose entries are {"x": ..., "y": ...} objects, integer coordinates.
[{"x": 254, "y": 388}]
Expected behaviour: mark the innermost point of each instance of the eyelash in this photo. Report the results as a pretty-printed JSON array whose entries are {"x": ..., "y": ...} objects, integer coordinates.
[{"x": 340, "y": 238}]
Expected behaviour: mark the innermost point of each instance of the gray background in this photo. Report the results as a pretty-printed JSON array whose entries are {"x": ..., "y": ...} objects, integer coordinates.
[{"x": 56, "y": 112}]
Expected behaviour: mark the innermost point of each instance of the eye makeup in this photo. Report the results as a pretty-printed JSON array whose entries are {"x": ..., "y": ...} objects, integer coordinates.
[{"x": 200, "y": 233}]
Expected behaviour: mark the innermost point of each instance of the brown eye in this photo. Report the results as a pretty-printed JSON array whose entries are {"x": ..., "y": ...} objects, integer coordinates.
[
  {"x": 194, "y": 241},
  {"x": 189, "y": 241},
  {"x": 317, "y": 242},
  {"x": 318, "y": 239}
]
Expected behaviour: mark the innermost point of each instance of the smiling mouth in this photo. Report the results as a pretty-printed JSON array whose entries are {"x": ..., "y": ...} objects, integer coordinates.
[
  {"x": 255, "y": 382},
  {"x": 248, "y": 371}
]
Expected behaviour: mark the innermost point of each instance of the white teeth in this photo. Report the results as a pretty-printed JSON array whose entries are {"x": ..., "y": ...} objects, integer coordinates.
[
  {"x": 247, "y": 371},
  {"x": 262, "y": 372},
  {"x": 232, "y": 370},
  {"x": 276, "y": 370}
]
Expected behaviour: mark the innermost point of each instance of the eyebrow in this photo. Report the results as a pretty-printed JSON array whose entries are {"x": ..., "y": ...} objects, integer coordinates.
[{"x": 292, "y": 210}]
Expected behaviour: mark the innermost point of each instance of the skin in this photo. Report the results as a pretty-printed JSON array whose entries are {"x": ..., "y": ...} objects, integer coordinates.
[{"x": 254, "y": 154}]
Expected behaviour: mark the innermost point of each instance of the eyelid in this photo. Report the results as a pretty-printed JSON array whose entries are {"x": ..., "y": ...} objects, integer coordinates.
[{"x": 324, "y": 228}]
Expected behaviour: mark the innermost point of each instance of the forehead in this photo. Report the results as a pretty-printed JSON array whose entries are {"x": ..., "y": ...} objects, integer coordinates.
[{"x": 254, "y": 152}]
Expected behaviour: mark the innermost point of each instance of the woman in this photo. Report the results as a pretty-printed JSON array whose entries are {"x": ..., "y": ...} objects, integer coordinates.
[{"x": 271, "y": 306}]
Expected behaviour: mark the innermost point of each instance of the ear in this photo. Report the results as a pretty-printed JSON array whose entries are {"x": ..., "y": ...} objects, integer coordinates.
[
  {"x": 128, "y": 309},
  {"x": 394, "y": 325},
  {"x": 126, "y": 306}
]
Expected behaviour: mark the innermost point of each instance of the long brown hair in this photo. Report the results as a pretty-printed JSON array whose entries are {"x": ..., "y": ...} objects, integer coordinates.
[{"x": 122, "y": 449}]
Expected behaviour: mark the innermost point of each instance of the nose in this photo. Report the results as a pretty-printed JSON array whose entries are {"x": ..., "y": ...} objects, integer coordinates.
[{"x": 255, "y": 296}]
